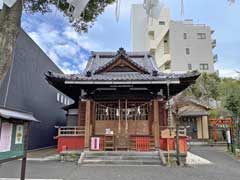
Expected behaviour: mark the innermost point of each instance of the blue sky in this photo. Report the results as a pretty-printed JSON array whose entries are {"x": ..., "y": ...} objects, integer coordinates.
[{"x": 70, "y": 50}]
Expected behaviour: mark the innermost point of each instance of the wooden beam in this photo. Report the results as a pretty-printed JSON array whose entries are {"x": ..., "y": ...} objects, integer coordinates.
[
  {"x": 87, "y": 124},
  {"x": 156, "y": 123}
]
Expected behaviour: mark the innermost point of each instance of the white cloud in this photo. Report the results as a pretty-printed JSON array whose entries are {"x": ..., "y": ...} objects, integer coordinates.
[
  {"x": 82, "y": 65},
  {"x": 67, "y": 48},
  {"x": 54, "y": 57},
  {"x": 81, "y": 40},
  {"x": 69, "y": 71},
  {"x": 229, "y": 73}
]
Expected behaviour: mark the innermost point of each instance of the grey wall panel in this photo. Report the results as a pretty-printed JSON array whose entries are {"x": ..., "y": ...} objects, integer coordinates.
[{"x": 29, "y": 91}]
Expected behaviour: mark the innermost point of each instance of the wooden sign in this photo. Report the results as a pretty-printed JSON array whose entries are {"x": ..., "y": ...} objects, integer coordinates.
[{"x": 11, "y": 141}]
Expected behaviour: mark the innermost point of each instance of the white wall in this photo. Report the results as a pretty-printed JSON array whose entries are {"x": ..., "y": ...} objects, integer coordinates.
[
  {"x": 172, "y": 31},
  {"x": 200, "y": 49},
  {"x": 138, "y": 28}
]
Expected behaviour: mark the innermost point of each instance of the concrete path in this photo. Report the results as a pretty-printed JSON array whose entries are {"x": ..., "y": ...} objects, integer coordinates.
[
  {"x": 42, "y": 153},
  {"x": 223, "y": 168}
]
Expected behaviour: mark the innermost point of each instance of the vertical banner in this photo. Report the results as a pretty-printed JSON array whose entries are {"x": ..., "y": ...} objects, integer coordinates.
[
  {"x": 95, "y": 143},
  {"x": 228, "y": 136},
  {"x": 19, "y": 134},
  {"x": 6, "y": 137}
]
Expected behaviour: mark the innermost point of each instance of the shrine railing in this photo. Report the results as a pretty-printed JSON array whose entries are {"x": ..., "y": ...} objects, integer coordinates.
[{"x": 71, "y": 130}]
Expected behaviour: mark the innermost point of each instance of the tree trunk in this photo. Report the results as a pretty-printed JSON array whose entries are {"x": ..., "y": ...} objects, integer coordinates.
[{"x": 10, "y": 24}]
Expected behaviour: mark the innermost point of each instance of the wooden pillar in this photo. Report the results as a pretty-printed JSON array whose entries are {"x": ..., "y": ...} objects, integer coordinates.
[
  {"x": 87, "y": 124},
  {"x": 205, "y": 127},
  {"x": 79, "y": 113},
  {"x": 93, "y": 118},
  {"x": 156, "y": 123}
]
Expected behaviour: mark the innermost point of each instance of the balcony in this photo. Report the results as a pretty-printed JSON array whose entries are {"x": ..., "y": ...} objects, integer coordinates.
[
  {"x": 152, "y": 45},
  {"x": 165, "y": 58},
  {"x": 214, "y": 43},
  {"x": 215, "y": 58}
]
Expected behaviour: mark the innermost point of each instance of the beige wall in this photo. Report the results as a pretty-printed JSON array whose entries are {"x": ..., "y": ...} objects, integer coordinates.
[
  {"x": 149, "y": 35},
  {"x": 202, "y": 127},
  {"x": 205, "y": 127}
]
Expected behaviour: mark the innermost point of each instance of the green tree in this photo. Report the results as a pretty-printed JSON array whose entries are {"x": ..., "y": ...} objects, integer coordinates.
[
  {"x": 233, "y": 103},
  {"x": 10, "y": 22},
  {"x": 206, "y": 86}
]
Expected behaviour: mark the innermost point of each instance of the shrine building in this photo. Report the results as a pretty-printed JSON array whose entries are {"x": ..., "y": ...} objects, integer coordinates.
[{"x": 120, "y": 102}]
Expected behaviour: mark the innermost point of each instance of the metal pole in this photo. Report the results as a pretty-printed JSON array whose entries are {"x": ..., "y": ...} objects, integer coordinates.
[
  {"x": 177, "y": 145},
  {"x": 24, "y": 160},
  {"x": 169, "y": 105}
]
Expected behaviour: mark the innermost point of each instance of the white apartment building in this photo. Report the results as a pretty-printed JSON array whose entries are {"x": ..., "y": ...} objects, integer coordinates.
[{"x": 178, "y": 46}]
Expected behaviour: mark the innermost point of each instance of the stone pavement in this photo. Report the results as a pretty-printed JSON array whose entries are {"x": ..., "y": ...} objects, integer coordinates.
[
  {"x": 42, "y": 153},
  {"x": 223, "y": 168}
]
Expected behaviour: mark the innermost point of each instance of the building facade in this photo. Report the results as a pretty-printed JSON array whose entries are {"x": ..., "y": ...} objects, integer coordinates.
[
  {"x": 25, "y": 88},
  {"x": 121, "y": 101},
  {"x": 178, "y": 46},
  {"x": 192, "y": 114}
]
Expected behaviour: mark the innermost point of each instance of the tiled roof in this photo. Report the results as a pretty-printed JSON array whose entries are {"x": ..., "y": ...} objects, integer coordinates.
[
  {"x": 142, "y": 60},
  {"x": 193, "y": 113},
  {"x": 122, "y": 76}
]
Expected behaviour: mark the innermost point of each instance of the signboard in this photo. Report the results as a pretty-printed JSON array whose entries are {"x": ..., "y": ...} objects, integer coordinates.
[
  {"x": 6, "y": 137},
  {"x": 11, "y": 141},
  {"x": 19, "y": 134},
  {"x": 95, "y": 143}
]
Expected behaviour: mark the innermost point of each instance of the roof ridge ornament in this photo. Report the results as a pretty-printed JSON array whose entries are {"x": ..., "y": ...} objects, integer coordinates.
[{"x": 121, "y": 51}]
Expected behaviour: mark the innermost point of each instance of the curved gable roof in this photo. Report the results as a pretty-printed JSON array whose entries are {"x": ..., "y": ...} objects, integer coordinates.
[
  {"x": 101, "y": 60},
  {"x": 124, "y": 58}
]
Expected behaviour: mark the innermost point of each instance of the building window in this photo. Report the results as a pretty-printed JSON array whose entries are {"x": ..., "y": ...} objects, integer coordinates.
[
  {"x": 65, "y": 100},
  {"x": 203, "y": 66},
  {"x": 62, "y": 99},
  {"x": 151, "y": 35},
  {"x": 184, "y": 35},
  {"x": 189, "y": 67},
  {"x": 161, "y": 22},
  {"x": 58, "y": 97},
  {"x": 201, "y": 35},
  {"x": 187, "y": 51}
]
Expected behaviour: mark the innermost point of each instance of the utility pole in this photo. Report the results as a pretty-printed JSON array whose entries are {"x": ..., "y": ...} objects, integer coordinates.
[
  {"x": 177, "y": 145},
  {"x": 24, "y": 159}
]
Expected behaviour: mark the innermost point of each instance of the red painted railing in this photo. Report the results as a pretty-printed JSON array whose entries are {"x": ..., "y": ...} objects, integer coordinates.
[{"x": 142, "y": 143}]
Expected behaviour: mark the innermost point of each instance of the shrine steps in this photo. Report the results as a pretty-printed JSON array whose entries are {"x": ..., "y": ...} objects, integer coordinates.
[{"x": 121, "y": 158}]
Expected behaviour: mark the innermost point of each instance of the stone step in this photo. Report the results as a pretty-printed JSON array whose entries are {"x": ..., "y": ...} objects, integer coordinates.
[
  {"x": 123, "y": 157},
  {"x": 121, "y": 153},
  {"x": 122, "y": 162}
]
